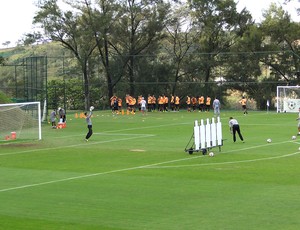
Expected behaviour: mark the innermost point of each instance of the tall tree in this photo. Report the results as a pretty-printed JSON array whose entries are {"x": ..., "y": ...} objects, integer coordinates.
[
  {"x": 72, "y": 31},
  {"x": 180, "y": 38},
  {"x": 220, "y": 26},
  {"x": 101, "y": 17},
  {"x": 281, "y": 36},
  {"x": 138, "y": 29}
]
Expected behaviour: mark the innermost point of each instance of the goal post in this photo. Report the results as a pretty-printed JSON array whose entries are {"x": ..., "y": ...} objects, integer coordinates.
[
  {"x": 20, "y": 121},
  {"x": 288, "y": 99}
]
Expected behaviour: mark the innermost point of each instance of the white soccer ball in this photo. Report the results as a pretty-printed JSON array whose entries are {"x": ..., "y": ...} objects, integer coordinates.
[
  {"x": 92, "y": 108},
  {"x": 211, "y": 154},
  {"x": 293, "y": 137},
  {"x": 269, "y": 140}
]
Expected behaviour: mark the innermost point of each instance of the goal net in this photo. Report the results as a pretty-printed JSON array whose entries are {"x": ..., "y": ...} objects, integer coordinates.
[
  {"x": 20, "y": 121},
  {"x": 288, "y": 99}
]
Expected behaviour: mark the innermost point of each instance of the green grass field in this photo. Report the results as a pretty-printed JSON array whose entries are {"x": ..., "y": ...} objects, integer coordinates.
[{"x": 135, "y": 174}]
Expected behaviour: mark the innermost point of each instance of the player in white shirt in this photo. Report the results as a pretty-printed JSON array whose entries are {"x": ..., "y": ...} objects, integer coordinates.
[
  {"x": 216, "y": 106},
  {"x": 143, "y": 105},
  {"x": 235, "y": 128}
]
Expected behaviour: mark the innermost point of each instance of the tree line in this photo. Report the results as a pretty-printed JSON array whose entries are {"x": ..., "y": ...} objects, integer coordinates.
[{"x": 135, "y": 46}]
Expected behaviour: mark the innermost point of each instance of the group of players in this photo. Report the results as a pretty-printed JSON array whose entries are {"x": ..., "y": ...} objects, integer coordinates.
[{"x": 162, "y": 103}]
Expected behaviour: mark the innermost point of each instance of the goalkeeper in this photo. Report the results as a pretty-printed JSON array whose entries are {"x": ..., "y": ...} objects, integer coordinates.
[{"x": 88, "y": 119}]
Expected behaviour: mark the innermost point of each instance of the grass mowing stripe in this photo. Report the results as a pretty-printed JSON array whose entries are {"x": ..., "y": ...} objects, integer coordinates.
[
  {"x": 77, "y": 145},
  {"x": 151, "y": 127},
  {"x": 224, "y": 163},
  {"x": 88, "y": 175},
  {"x": 257, "y": 195},
  {"x": 105, "y": 133},
  {"x": 258, "y": 146},
  {"x": 155, "y": 165},
  {"x": 131, "y": 129}
]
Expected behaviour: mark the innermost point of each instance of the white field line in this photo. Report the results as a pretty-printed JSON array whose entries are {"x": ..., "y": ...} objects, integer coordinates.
[
  {"x": 120, "y": 170},
  {"x": 225, "y": 163},
  {"x": 110, "y": 132},
  {"x": 77, "y": 145},
  {"x": 131, "y": 129},
  {"x": 151, "y": 166},
  {"x": 102, "y": 133}
]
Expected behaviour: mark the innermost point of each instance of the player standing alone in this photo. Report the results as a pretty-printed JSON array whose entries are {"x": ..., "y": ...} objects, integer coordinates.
[
  {"x": 243, "y": 101},
  {"x": 235, "y": 128},
  {"x": 216, "y": 106},
  {"x": 88, "y": 119}
]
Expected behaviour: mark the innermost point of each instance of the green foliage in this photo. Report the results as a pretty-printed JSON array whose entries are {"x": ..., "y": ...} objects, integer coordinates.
[
  {"x": 3, "y": 98},
  {"x": 282, "y": 34},
  {"x": 141, "y": 47},
  {"x": 69, "y": 94},
  {"x": 2, "y": 60}
]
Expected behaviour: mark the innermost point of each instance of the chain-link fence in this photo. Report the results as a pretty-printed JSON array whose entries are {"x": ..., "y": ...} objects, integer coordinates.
[
  {"x": 26, "y": 79},
  {"x": 59, "y": 79}
]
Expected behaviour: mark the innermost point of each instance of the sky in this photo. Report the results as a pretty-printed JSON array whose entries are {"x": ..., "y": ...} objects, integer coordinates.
[{"x": 16, "y": 16}]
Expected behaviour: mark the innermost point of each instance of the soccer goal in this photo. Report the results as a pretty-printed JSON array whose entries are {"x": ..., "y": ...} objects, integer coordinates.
[
  {"x": 20, "y": 121},
  {"x": 288, "y": 99}
]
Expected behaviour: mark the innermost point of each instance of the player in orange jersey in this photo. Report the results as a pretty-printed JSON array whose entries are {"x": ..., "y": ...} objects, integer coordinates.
[
  {"x": 172, "y": 102},
  {"x": 177, "y": 103},
  {"x": 188, "y": 103},
  {"x": 201, "y": 103},
  {"x": 149, "y": 103},
  {"x": 194, "y": 103},
  {"x": 243, "y": 102},
  {"x": 207, "y": 103},
  {"x": 166, "y": 103}
]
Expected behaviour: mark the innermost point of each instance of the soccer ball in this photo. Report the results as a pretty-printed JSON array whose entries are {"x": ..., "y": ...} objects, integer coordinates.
[
  {"x": 269, "y": 140},
  {"x": 292, "y": 105},
  {"x": 211, "y": 154},
  {"x": 92, "y": 108},
  {"x": 293, "y": 137}
]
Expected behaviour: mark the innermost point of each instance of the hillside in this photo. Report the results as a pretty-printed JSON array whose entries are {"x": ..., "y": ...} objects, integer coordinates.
[{"x": 59, "y": 60}]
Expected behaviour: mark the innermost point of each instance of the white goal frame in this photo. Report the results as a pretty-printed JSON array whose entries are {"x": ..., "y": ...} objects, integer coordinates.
[
  {"x": 38, "y": 110},
  {"x": 288, "y": 99}
]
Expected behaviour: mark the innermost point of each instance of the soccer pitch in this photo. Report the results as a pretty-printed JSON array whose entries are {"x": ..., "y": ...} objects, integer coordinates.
[{"x": 133, "y": 173}]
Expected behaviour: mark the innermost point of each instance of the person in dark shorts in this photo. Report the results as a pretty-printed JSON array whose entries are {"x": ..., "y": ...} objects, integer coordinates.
[
  {"x": 235, "y": 128},
  {"x": 88, "y": 119}
]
